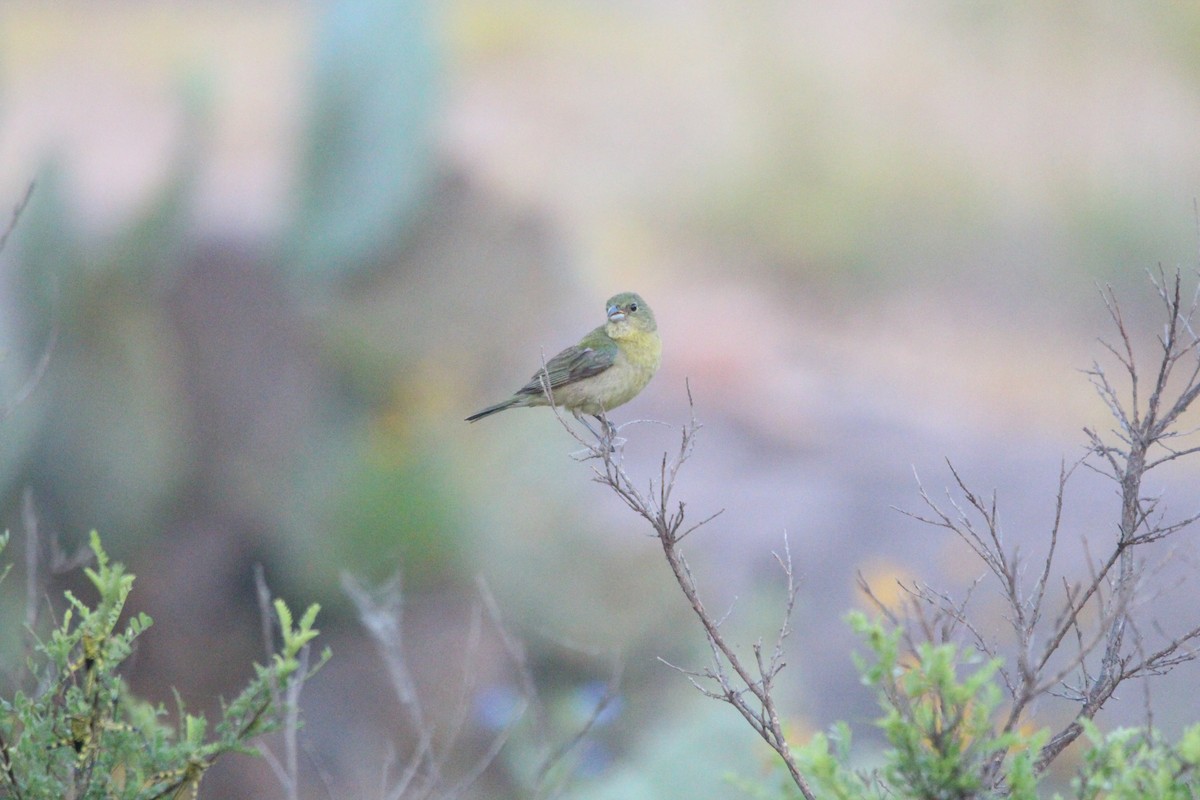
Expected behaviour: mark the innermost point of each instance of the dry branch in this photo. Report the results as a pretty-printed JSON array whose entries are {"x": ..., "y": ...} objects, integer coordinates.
[
  {"x": 1085, "y": 648},
  {"x": 747, "y": 686}
]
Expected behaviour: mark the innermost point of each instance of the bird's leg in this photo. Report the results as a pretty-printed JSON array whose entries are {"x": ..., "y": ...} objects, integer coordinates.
[
  {"x": 610, "y": 437},
  {"x": 585, "y": 424}
]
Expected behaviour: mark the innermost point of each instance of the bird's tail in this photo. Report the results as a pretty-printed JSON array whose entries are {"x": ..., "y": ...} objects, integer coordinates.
[{"x": 487, "y": 412}]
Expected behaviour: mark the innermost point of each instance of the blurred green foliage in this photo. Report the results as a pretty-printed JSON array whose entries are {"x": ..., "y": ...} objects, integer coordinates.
[
  {"x": 367, "y": 159},
  {"x": 835, "y": 190},
  {"x": 111, "y": 438},
  {"x": 390, "y": 507},
  {"x": 72, "y": 728},
  {"x": 112, "y": 432},
  {"x": 939, "y": 706},
  {"x": 1139, "y": 764}
]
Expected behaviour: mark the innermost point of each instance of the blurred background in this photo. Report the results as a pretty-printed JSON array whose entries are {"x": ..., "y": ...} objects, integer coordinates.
[{"x": 285, "y": 248}]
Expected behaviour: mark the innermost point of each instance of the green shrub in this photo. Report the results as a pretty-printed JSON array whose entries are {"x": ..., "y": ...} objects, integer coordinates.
[{"x": 76, "y": 731}]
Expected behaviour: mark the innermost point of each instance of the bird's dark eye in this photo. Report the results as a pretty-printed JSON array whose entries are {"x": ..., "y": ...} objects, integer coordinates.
[{"x": 633, "y": 306}]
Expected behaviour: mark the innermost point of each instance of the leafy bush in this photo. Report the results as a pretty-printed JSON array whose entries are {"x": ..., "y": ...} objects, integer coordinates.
[
  {"x": 942, "y": 740},
  {"x": 76, "y": 731}
]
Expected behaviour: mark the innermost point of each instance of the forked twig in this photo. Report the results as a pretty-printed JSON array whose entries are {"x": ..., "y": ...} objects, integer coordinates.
[
  {"x": 747, "y": 686},
  {"x": 1096, "y": 613}
]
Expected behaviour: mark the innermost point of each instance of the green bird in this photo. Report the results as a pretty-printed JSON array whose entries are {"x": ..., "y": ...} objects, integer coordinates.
[{"x": 606, "y": 369}]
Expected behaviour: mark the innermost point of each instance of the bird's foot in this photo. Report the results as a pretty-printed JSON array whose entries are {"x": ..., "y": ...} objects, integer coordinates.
[{"x": 608, "y": 436}]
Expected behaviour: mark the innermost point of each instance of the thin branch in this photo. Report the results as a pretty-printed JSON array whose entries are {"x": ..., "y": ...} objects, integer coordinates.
[
  {"x": 559, "y": 753},
  {"x": 382, "y": 614},
  {"x": 746, "y": 687},
  {"x": 1097, "y": 614},
  {"x": 516, "y": 654},
  {"x": 32, "y": 557},
  {"x": 16, "y": 214}
]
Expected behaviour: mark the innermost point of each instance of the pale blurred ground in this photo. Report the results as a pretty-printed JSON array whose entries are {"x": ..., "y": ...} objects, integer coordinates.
[{"x": 872, "y": 234}]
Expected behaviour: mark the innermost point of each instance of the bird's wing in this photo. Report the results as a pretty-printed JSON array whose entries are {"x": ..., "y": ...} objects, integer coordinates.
[{"x": 593, "y": 355}]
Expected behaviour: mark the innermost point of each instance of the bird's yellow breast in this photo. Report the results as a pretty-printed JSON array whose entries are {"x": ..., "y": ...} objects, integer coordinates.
[
  {"x": 642, "y": 349},
  {"x": 638, "y": 355}
]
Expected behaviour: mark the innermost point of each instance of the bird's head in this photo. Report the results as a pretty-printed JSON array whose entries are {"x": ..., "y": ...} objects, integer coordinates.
[{"x": 628, "y": 313}]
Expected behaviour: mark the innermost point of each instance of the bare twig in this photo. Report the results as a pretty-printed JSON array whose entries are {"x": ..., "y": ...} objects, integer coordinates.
[
  {"x": 1108, "y": 647},
  {"x": 541, "y": 783},
  {"x": 35, "y": 377},
  {"x": 747, "y": 686},
  {"x": 16, "y": 215},
  {"x": 425, "y": 772},
  {"x": 287, "y": 697},
  {"x": 39, "y": 369},
  {"x": 32, "y": 557},
  {"x": 381, "y": 612}
]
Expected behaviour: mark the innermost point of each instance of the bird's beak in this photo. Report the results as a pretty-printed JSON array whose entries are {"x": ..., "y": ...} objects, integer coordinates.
[{"x": 615, "y": 314}]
